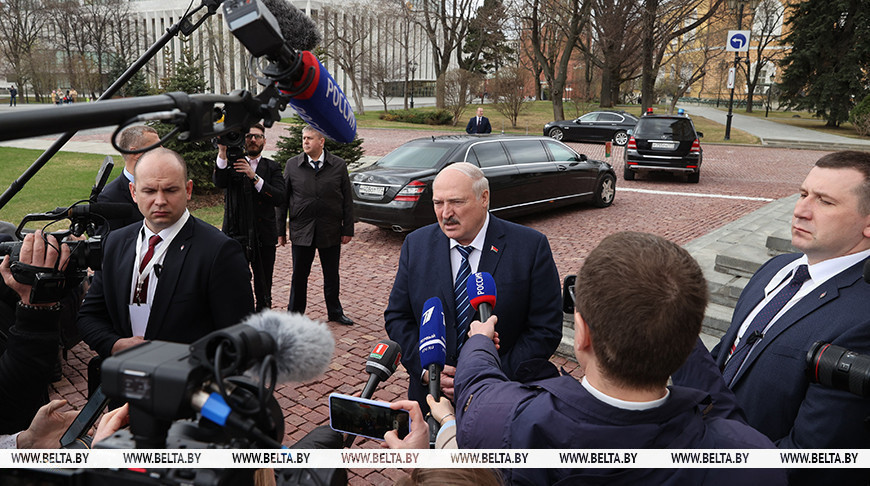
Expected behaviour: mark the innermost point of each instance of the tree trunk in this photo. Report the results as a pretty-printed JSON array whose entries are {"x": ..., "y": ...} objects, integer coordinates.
[
  {"x": 648, "y": 78},
  {"x": 606, "y": 88}
]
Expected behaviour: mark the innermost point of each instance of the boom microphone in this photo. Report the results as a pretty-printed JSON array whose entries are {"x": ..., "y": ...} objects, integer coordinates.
[
  {"x": 311, "y": 90},
  {"x": 481, "y": 293},
  {"x": 105, "y": 210},
  {"x": 298, "y": 29},
  {"x": 382, "y": 362},
  {"x": 303, "y": 347},
  {"x": 433, "y": 345}
]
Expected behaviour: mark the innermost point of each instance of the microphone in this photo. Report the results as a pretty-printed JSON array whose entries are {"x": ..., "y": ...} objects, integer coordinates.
[
  {"x": 433, "y": 345},
  {"x": 303, "y": 347},
  {"x": 298, "y": 29},
  {"x": 311, "y": 90},
  {"x": 382, "y": 362},
  {"x": 481, "y": 293}
]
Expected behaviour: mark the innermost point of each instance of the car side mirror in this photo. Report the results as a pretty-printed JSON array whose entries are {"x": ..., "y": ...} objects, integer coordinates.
[
  {"x": 582, "y": 158},
  {"x": 700, "y": 134}
]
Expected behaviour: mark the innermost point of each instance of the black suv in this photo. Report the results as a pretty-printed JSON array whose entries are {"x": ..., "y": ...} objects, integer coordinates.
[
  {"x": 664, "y": 143},
  {"x": 525, "y": 173}
]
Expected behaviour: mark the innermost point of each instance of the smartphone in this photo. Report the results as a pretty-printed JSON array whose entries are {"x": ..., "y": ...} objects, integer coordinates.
[
  {"x": 366, "y": 418},
  {"x": 76, "y": 436}
]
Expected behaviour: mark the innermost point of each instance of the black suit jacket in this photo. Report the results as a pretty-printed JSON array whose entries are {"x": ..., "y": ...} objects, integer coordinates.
[
  {"x": 528, "y": 306},
  {"x": 118, "y": 191},
  {"x": 320, "y": 206},
  {"x": 205, "y": 284},
  {"x": 473, "y": 127},
  {"x": 265, "y": 201}
]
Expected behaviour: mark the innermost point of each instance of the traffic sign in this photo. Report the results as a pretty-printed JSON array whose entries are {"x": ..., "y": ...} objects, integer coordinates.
[{"x": 738, "y": 41}]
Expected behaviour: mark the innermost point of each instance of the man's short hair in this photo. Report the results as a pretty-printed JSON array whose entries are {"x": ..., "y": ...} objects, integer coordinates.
[
  {"x": 259, "y": 126},
  {"x": 310, "y": 129},
  {"x": 479, "y": 182},
  {"x": 131, "y": 137},
  {"x": 852, "y": 159},
  {"x": 163, "y": 151},
  {"x": 643, "y": 298}
]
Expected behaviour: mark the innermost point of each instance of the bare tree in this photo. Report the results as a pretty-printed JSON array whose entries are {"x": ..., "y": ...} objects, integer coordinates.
[
  {"x": 98, "y": 18},
  {"x": 673, "y": 18},
  {"x": 460, "y": 86},
  {"x": 506, "y": 89},
  {"x": 617, "y": 37},
  {"x": 21, "y": 23},
  {"x": 347, "y": 44},
  {"x": 378, "y": 77},
  {"x": 766, "y": 28},
  {"x": 554, "y": 28},
  {"x": 445, "y": 23}
]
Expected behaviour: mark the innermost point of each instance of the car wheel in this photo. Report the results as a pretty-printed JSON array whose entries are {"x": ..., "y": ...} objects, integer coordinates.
[
  {"x": 606, "y": 191},
  {"x": 627, "y": 174},
  {"x": 620, "y": 138},
  {"x": 694, "y": 177},
  {"x": 556, "y": 133}
]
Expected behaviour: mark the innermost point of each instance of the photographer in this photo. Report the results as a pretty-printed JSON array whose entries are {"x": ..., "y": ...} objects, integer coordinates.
[
  {"x": 253, "y": 187},
  {"x": 31, "y": 353}
]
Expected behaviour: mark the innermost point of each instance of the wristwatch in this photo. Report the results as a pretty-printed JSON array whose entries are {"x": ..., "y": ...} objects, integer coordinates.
[{"x": 256, "y": 179}]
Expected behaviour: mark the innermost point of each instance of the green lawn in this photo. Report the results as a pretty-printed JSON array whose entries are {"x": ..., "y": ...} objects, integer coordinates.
[
  {"x": 540, "y": 113},
  {"x": 65, "y": 179}
]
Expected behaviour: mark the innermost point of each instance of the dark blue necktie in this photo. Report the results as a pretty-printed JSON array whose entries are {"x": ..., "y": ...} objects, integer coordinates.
[
  {"x": 316, "y": 164},
  {"x": 463, "y": 307},
  {"x": 756, "y": 328}
]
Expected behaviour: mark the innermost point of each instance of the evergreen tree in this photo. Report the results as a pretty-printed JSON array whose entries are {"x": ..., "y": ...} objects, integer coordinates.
[
  {"x": 135, "y": 86},
  {"x": 291, "y": 146},
  {"x": 486, "y": 45},
  {"x": 828, "y": 68}
]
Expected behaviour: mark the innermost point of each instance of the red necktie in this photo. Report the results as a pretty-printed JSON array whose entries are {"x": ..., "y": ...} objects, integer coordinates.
[{"x": 142, "y": 293}]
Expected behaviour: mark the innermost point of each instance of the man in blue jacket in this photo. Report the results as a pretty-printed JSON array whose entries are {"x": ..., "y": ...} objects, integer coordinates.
[{"x": 640, "y": 300}]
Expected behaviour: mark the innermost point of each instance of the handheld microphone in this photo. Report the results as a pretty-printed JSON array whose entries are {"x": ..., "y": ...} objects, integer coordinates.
[
  {"x": 433, "y": 344},
  {"x": 381, "y": 363},
  {"x": 481, "y": 293},
  {"x": 311, "y": 90}
]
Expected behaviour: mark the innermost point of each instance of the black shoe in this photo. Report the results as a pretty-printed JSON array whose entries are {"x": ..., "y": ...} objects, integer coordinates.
[{"x": 342, "y": 319}]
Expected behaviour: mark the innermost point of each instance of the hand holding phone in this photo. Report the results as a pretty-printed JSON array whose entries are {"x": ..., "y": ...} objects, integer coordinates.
[{"x": 366, "y": 418}]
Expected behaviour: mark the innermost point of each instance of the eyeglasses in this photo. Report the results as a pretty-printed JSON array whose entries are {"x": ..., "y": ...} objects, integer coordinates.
[{"x": 255, "y": 136}]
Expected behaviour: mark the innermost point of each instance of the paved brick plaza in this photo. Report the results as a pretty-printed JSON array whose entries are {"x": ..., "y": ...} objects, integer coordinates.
[{"x": 369, "y": 262}]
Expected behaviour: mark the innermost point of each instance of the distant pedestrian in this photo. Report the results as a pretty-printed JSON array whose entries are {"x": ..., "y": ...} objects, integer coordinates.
[
  {"x": 13, "y": 93},
  {"x": 478, "y": 124}
]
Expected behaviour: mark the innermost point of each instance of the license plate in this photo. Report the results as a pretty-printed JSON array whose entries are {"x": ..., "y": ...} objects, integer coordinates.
[
  {"x": 371, "y": 191},
  {"x": 663, "y": 145}
]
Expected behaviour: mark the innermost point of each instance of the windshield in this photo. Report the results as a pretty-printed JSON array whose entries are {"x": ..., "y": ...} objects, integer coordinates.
[
  {"x": 665, "y": 129},
  {"x": 415, "y": 156}
]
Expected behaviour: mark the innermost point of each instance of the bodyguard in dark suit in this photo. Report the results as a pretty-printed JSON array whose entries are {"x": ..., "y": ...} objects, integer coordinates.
[
  {"x": 519, "y": 259},
  {"x": 174, "y": 278},
  {"x": 254, "y": 187},
  {"x": 764, "y": 352},
  {"x": 478, "y": 124},
  {"x": 320, "y": 208},
  {"x": 119, "y": 191}
]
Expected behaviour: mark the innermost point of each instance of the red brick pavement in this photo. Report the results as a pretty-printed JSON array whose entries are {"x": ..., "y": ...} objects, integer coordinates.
[{"x": 369, "y": 262}]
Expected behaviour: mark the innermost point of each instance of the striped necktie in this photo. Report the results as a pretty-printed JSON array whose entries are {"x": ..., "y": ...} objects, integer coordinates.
[{"x": 463, "y": 306}]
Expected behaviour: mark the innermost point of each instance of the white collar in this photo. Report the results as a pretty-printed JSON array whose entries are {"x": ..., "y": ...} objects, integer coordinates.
[{"x": 477, "y": 242}]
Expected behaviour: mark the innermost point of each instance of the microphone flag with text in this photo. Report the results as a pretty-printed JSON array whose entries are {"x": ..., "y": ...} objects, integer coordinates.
[
  {"x": 433, "y": 343},
  {"x": 481, "y": 293},
  {"x": 381, "y": 364}
]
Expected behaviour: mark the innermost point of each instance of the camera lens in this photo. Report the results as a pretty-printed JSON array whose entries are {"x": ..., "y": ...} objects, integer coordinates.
[{"x": 837, "y": 367}]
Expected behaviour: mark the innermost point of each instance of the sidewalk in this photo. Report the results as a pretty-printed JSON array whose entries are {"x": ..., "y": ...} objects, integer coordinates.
[{"x": 778, "y": 134}]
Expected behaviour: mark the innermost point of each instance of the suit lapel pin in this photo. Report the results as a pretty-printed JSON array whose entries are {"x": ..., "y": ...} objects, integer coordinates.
[
  {"x": 182, "y": 248},
  {"x": 493, "y": 249},
  {"x": 823, "y": 294}
]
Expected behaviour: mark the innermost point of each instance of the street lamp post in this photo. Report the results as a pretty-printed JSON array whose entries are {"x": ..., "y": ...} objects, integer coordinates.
[
  {"x": 769, "y": 89},
  {"x": 736, "y": 64},
  {"x": 413, "y": 67}
]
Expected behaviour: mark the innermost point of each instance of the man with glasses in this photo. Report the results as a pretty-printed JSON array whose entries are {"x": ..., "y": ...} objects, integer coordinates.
[{"x": 253, "y": 187}]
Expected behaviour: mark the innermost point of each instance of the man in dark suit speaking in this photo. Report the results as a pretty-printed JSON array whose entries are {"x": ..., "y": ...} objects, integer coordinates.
[
  {"x": 797, "y": 299},
  {"x": 174, "y": 278},
  {"x": 478, "y": 124},
  {"x": 432, "y": 260},
  {"x": 253, "y": 187}
]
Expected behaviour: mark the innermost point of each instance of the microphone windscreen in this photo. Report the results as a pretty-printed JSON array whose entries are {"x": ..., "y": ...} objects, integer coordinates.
[
  {"x": 304, "y": 347},
  {"x": 299, "y": 30},
  {"x": 481, "y": 288},
  {"x": 433, "y": 344}
]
